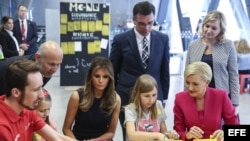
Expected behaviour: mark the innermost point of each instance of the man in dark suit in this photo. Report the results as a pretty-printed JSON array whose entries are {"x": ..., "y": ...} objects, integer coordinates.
[
  {"x": 49, "y": 57},
  {"x": 25, "y": 32},
  {"x": 127, "y": 55}
]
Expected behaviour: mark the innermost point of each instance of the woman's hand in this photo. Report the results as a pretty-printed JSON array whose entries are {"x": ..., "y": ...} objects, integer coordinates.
[
  {"x": 194, "y": 133},
  {"x": 219, "y": 134}
]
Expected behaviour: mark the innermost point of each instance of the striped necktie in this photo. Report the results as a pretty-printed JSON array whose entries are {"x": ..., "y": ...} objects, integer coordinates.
[{"x": 145, "y": 52}]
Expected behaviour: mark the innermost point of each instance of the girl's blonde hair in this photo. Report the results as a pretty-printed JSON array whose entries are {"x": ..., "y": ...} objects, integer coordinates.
[{"x": 145, "y": 83}]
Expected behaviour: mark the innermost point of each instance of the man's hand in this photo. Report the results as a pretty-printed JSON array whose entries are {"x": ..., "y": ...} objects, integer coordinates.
[
  {"x": 24, "y": 46},
  {"x": 20, "y": 52}
]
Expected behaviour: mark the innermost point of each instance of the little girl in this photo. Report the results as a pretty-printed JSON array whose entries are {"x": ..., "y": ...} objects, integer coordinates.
[
  {"x": 43, "y": 110},
  {"x": 145, "y": 116}
]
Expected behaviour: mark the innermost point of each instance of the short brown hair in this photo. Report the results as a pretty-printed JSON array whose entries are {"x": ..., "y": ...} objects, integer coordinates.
[{"x": 17, "y": 73}]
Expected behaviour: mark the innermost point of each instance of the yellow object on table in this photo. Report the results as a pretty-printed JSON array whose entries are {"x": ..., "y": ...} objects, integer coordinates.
[{"x": 205, "y": 139}]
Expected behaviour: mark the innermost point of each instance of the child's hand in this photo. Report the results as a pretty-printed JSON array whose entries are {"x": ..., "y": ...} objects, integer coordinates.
[{"x": 172, "y": 134}]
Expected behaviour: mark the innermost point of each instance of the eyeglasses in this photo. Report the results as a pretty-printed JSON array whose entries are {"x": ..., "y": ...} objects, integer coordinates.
[{"x": 141, "y": 24}]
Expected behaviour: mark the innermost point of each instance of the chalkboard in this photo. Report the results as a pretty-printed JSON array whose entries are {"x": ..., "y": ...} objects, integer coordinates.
[{"x": 84, "y": 33}]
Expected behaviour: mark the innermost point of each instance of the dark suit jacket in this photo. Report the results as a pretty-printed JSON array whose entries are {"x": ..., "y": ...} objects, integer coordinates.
[
  {"x": 4, "y": 64},
  {"x": 31, "y": 37},
  {"x": 128, "y": 66},
  {"x": 217, "y": 106},
  {"x": 8, "y": 44}
]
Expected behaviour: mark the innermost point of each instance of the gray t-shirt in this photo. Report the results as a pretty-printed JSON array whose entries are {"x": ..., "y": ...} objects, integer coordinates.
[{"x": 145, "y": 124}]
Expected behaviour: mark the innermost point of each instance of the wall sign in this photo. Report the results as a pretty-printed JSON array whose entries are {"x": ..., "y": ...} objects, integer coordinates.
[{"x": 84, "y": 32}]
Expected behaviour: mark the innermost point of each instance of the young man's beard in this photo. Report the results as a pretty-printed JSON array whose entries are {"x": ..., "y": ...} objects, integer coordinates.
[{"x": 21, "y": 102}]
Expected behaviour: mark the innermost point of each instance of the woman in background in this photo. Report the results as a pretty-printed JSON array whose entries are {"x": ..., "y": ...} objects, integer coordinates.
[
  {"x": 243, "y": 58},
  {"x": 8, "y": 42},
  {"x": 219, "y": 53},
  {"x": 94, "y": 108}
]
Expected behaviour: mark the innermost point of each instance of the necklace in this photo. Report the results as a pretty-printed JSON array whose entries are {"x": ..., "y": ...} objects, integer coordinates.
[{"x": 208, "y": 49}]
